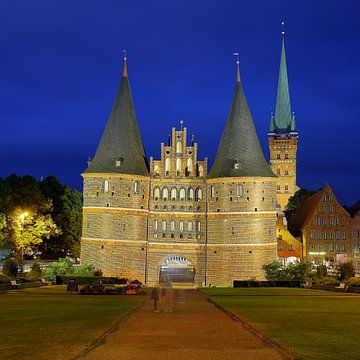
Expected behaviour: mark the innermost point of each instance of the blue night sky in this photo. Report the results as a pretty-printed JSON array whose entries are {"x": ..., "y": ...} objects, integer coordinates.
[{"x": 61, "y": 64}]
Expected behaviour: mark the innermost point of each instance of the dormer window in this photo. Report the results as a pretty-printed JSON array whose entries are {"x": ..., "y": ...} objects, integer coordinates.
[
  {"x": 119, "y": 161},
  {"x": 236, "y": 165}
]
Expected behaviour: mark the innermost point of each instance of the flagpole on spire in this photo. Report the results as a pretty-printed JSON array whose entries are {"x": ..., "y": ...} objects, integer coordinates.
[
  {"x": 237, "y": 66},
  {"x": 283, "y": 28},
  {"x": 125, "y": 74}
]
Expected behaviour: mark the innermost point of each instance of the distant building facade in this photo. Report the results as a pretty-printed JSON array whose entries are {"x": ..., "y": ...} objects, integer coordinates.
[
  {"x": 323, "y": 226},
  {"x": 173, "y": 218}
]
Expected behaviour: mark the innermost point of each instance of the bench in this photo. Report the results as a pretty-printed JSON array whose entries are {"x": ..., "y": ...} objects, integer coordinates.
[
  {"x": 45, "y": 282},
  {"x": 341, "y": 286},
  {"x": 14, "y": 284}
]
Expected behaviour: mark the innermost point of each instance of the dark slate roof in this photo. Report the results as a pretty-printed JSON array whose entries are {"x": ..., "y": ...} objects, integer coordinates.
[
  {"x": 284, "y": 121},
  {"x": 240, "y": 143},
  {"x": 121, "y": 138}
]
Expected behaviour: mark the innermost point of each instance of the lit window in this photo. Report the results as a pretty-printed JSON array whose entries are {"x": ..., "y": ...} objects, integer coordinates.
[
  {"x": 167, "y": 166},
  {"x": 178, "y": 167},
  {"x": 106, "y": 186},
  {"x": 178, "y": 147},
  {"x": 164, "y": 225},
  {"x": 181, "y": 226},
  {"x": 198, "y": 226},
  {"x": 172, "y": 225},
  {"x": 198, "y": 194},
  {"x": 173, "y": 194},
  {"x": 239, "y": 191},
  {"x": 182, "y": 194},
  {"x": 201, "y": 171},
  {"x": 190, "y": 226},
  {"x": 212, "y": 191},
  {"x": 155, "y": 225},
  {"x": 191, "y": 194},
  {"x": 136, "y": 187},
  {"x": 165, "y": 194}
]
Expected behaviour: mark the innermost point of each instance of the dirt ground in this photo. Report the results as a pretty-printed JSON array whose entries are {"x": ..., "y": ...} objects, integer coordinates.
[{"x": 187, "y": 327}]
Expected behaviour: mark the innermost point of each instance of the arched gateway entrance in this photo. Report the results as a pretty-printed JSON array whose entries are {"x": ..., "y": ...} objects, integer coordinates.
[{"x": 178, "y": 269}]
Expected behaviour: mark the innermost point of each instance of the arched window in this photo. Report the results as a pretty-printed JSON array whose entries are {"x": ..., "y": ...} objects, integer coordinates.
[
  {"x": 181, "y": 226},
  {"x": 167, "y": 166},
  {"x": 178, "y": 167},
  {"x": 165, "y": 194},
  {"x": 239, "y": 191},
  {"x": 156, "y": 225},
  {"x": 178, "y": 147},
  {"x": 198, "y": 194},
  {"x": 136, "y": 187},
  {"x": 191, "y": 194},
  {"x": 172, "y": 225},
  {"x": 106, "y": 186},
  {"x": 190, "y": 226},
  {"x": 212, "y": 191},
  {"x": 164, "y": 225},
  {"x": 156, "y": 193},
  {"x": 182, "y": 194},
  {"x": 173, "y": 194},
  {"x": 201, "y": 171},
  {"x": 157, "y": 170},
  {"x": 189, "y": 166},
  {"x": 198, "y": 226}
]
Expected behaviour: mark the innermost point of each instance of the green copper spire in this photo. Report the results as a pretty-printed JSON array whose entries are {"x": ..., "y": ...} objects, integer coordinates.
[{"x": 283, "y": 122}]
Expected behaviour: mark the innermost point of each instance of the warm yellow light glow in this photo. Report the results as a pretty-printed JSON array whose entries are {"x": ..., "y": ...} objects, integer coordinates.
[{"x": 23, "y": 215}]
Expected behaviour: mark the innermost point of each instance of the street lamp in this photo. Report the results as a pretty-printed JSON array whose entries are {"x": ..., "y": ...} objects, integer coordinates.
[{"x": 22, "y": 218}]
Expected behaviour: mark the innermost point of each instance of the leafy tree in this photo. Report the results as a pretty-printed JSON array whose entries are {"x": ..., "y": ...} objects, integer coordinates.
[
  {"x": 29, "y": 230},
  {"x": 3, "y": 233},
  {"x": 297, "y": 200}
]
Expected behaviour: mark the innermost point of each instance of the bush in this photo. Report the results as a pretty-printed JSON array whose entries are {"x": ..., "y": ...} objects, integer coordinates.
[
  {"x": 10, "y": 268},
  {"x": 346, "y": 271},
  {"x": 331, "y": 281},
  {"x": 98, "y": 272},
  {"x": 59, "y": 268},
  {"x": 35, "y": 274},
  {"x": 354, "y": 281},
  {"x": 4, "y": 279},
  {"x": 83, "y": 270},
  {"x": 297, "y": 271},
  {"x": 321, "y": 271}
]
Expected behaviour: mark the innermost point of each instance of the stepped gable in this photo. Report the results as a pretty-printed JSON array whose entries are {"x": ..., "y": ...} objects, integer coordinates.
[
  {"x": 121, "y": 148},
  {"x": 240, "y": 153}
]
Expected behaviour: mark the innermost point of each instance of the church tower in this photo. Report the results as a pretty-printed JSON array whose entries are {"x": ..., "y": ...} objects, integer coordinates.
[
  {"x": 116, "y": 194},
  {"x": 283, "y": 138},
  {"x": 241, "y": 217}
]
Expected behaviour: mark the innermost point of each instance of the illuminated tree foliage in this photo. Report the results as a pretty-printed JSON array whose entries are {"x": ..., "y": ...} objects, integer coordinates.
[{"x": 40, "y": 215}]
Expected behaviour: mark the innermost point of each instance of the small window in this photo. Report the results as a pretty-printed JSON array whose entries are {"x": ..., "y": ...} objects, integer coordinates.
[
  {"x": 165, "y": 194},
  {"x": 173, "y": 194},
  {"x": 191, "y": 194},
  {"x": 286, "y": 155},
  {"x": 106, "y": 186},
  {"x": 344, "y": 235},
  {"x": 155, "y": 225},
  {"x": 136, "y": 187},
  {"x": 278, "y": 187},
  {"x": 190, "y": 226},
  {"x": 181, "y": 226},
  {"x": 172, "y": 225},
  {"x": 182, "y": 194},
  {"x": 324, "y": 235},
  {"x": 198, "y": 226},
  {"x": 286, "y": 172},
  {"x": 212, "y": 191},
  {"x": 286, "y": 187},
  {"x": 164, "y": 225},
  {"x": 239, "y": 191},
  {"x": 278, "y": 156},
  {"x": 278, "y": 171},
  {"x": 198, "y": 194}
]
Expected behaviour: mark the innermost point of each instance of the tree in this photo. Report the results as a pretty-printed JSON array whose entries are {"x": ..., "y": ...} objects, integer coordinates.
[
  {"x": 296, "y": 271},
  {"x": 3, "y": 227},
  {"x": 29, "y": 230},
  {"x": 297, "y": 200},
  {"x": 346, "y": 271}
]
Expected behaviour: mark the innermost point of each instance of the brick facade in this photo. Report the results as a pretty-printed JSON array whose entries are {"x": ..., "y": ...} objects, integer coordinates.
[{"x": 224, "y": 227}]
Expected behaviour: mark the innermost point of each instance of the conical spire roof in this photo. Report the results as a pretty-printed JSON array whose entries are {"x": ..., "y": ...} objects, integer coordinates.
[
  {"x": 283, "y": 118},
  {"x": 240, "y": 153},
  {"x": 121, "y": 149}
]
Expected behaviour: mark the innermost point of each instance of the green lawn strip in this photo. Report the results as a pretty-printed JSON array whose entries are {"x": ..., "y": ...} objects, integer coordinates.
[
  {"x": 37, "y": 323},
  {"x": 308, "y": 323}
]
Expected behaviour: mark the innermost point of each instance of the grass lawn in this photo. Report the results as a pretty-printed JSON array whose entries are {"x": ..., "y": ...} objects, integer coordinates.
[
  {"x": 310, "y": 324},
  {"x": 45, "y": 323}
]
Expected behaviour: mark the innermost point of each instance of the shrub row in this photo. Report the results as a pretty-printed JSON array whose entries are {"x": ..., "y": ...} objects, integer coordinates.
[
  {"x": 279, "y": 283},
  {"x": 88, "y": 280}
]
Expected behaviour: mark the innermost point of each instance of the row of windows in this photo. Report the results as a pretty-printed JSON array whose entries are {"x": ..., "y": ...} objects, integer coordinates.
[
  {"x": 106, "y": 186},
  {"x": 286, "y": 187},
  {"x": 173, "y": 225},
  {"x": 331, "y": 208},
  {"x": 178, "y": 167},
  {"x": 330, "y": 247},
  {"x": 278, "y": 171},
  {"x": 324, "y": 235},
  {"x": 327, "y": 198},
  {"x": 239, "y": 191},
  {"x": 324, "y": 221},
  {"x": 181, "y": 208},
  {"x": 181, "y": 235},
  {"x": 278, "y": 156},
  {"x": 181, "y": 194}
]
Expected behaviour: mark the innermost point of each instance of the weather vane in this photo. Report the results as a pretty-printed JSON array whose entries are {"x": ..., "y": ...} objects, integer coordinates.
[
  {"x": 237, "y": 57},
  {"x": 124, "y": 52},
  {"x": 283, "y": 27}
]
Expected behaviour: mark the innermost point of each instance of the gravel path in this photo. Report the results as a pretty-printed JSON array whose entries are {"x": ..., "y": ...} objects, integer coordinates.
[{"x": 195, "y": 329}]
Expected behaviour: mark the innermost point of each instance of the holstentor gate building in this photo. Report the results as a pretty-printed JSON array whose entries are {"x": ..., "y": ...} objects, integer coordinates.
[{"x": 173, "y": 218}]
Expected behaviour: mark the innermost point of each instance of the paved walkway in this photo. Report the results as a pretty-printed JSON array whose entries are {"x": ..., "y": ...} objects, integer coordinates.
[{"x": 195, "y": 329}]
